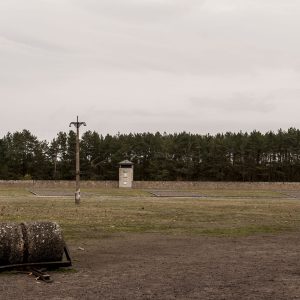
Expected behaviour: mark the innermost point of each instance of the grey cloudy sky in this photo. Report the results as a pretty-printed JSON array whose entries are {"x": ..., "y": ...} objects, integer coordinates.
[{"x": 149, "y": 65}]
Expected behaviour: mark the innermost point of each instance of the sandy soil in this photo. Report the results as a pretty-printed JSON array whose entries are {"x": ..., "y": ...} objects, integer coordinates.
[{"x": 150, "y": 266}]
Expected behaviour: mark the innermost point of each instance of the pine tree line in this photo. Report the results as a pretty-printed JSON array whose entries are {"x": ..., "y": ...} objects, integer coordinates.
[{"x": 184, "y": 156}]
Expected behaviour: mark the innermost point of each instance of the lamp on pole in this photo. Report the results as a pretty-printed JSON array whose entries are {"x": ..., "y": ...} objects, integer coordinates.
[{"x": 77, "y": 124}]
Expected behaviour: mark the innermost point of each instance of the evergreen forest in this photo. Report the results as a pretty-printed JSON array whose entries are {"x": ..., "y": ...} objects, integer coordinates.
[{"x": 255, "y": 156}]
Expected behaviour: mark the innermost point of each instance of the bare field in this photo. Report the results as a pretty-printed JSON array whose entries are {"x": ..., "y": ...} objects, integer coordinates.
[{"x": 222, "y": 247}]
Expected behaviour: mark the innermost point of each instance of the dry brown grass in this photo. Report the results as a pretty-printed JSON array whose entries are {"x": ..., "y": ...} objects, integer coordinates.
[{"x": 103, "y": 214}]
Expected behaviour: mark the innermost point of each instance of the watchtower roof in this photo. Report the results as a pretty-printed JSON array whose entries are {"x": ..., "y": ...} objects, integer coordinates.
[{"x": 126, "y": 163}]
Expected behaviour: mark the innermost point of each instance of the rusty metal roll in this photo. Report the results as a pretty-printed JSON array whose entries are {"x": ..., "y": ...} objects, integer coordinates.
[{"x": 30, "y": 242}]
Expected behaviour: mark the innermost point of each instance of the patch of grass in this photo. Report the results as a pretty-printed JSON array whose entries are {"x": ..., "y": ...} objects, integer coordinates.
[
  {"x": 102, "y": 217},
  {"x": 14, "y": 191},
  {"x": 244, "y": 231}
]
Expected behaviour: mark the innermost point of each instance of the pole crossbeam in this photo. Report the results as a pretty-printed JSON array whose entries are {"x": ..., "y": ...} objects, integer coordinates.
[{"x": 77, "y": 192}]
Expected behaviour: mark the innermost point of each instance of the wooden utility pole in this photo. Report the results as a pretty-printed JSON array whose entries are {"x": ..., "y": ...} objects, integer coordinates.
[{"x": 77, "y": 124}]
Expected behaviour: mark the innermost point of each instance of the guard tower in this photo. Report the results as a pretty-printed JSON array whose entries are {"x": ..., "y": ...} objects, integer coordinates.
[{"x": 125, "y": 174}]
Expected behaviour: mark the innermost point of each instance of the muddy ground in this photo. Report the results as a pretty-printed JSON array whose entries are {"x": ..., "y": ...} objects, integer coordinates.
[{"x": 153, "y": 266}]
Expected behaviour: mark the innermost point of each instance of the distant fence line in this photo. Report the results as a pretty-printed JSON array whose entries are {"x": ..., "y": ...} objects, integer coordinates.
[{"x": 155, "y": 184}]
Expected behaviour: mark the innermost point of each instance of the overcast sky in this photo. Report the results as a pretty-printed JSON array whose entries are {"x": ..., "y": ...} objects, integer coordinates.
[{"x": 149, "y": 65}]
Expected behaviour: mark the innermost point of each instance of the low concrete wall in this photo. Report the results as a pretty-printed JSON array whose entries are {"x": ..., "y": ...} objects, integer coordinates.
[
  {"x": 58, "y": 184},
  {"x": 155, "y": 184},
  {"x": 216, "y": 185}
]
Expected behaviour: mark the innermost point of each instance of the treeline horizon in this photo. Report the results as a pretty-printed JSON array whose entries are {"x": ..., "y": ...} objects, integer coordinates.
[{"x": 242, "y": 156}]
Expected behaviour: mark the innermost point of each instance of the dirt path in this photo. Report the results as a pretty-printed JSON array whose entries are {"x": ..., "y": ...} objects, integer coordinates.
[{"x": 153, "y": 266}]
